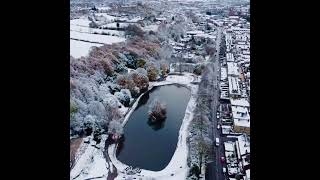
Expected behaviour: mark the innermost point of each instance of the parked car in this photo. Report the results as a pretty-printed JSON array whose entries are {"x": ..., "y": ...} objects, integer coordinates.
[
  {"x": 217, "y": 141},
  {"x": 218, "y": 127},
  {"x": 224, "y": 170},
  {"x": 222, "y": 159}
]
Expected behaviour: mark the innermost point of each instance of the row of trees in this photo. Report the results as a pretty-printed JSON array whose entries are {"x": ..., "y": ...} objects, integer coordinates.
[{"x": 199, "y": 143}]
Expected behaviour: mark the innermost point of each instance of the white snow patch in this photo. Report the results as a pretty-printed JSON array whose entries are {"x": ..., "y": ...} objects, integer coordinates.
[
  {"x": 96, "y": 38},
  {"x": 92, "y": 162},
  {"x": 80, "y": 48}
]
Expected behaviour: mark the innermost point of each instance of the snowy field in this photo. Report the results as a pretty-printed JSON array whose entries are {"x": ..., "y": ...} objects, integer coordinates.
[
  {"x": 96, "y": 38},
  {"x": 151, "y": 28},
  {"x": 84, "y": 22},
  {"x": 106, "y": 16},
  {"x": 90, "y": 161},
  {"x": 94, "y": 30},
  {"x": 80, "y": 48}
]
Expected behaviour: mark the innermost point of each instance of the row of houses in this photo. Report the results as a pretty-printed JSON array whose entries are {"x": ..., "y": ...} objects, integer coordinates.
[{"x": 235, "y": 94}]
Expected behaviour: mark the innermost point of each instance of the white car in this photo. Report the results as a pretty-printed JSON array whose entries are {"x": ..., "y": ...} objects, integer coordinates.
[
  {"x": 218, "y": 127},
  {"x": 224, "y": 170}
]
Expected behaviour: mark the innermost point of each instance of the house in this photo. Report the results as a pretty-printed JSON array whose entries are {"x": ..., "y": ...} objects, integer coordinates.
[
  {"x": 234, "y": 87},
  {"x": 243, "y": 152},
  {"x": 233, "y": 69},
  {"x": 242, "y": 102},
  {"x": 247, "y": 176},
  {"x": 241, "y": 119}
]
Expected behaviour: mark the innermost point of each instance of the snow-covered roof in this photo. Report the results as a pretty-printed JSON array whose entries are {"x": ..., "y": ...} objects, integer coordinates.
[
  {"x": 205, "y": 36},
  {"x": 226, "y": 129},
  {"x": 103, "y": 8},
  {"x": 247, "y": 177},
  {"x": 195, "y": 32},
  {"x": 161, "y": 19},
  {"x": 233, "y": 69},
  {"x": 230, "y": 57},
  {"x": 241, "y": 122},
  {"x": 244, "y": 145},
  {"x": 240, "y": 102},
  {"x": 232, "y": 170},
  {"x": 241, "y": 113},
  {"x": 229, "y": 146},
  {"x": 234, "y": 85}
]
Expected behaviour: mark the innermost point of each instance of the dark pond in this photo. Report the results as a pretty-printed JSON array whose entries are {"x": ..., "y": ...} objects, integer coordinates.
[{"x": 151, "y": 146}]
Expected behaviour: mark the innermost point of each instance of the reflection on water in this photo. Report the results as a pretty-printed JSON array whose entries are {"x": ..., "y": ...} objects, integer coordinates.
[{"x": 156, "y": 125}]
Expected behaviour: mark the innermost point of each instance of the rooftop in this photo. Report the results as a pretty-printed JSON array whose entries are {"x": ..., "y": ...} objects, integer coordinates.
[
  {"x": 233, "y": 69},
  {"x": 240, "y": 102},
  {"x": 234, "y": 85},
  {"x": 229, "y": 146},
  {"x": 244, "y": 144},
  {"x": 240, "y": 113}
]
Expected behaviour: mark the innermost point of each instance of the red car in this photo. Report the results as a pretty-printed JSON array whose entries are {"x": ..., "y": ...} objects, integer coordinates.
[{"x": 222, "y": 159}]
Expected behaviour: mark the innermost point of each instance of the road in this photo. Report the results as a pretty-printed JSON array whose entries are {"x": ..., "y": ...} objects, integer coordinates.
[{"x": 215, "y": 168}]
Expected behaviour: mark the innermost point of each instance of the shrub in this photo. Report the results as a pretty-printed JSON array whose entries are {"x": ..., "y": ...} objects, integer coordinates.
[
  {"x": 141, "y": 63},
  {"x": 134, "y": 30},
  {"x": 164, "y": 69},
  {"x": 198, "y": 69},
  {"x": 115, "y": 128},
  {"x": 152, "y": 72},
  {"x": 157, "y": 111},
  {"x": 124, "y": 97},
  {"x": 140, "y": 80}
]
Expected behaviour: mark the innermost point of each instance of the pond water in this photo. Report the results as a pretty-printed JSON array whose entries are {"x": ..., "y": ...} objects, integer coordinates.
[{"x": 151, "y": 145}]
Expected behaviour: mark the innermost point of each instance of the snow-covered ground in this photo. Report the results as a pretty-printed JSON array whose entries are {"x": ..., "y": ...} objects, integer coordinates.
[
  {"x": 90, "y": 161},
  {"x": 153, "y": 27},
  {"x": 106, "y": 16},
  {"x": 83, "y": 21},
  {"x": 96, "y": 38},
  {"x": 177, "y": 167},
  {"x": 80, "y": 48}
]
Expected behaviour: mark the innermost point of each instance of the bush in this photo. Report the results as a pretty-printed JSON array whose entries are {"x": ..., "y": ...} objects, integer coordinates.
[
  {"x": 121, "y": 68},
  {"x": 195, "y": 171},
  {"x": 108, "y": 69},
  {"x": 124, "y": 96},
  {"x": 157, "y": 111},
  {"x": 198, "y": 69},
  {"x": 115, "y": 129},
  {"x": 152, "y": 72},
  {"x": 141, "y": 63},
  {"x": 164, "y": 69},
  {"x": 134, "y": 30},
  {"x": 140, "y": 80}
]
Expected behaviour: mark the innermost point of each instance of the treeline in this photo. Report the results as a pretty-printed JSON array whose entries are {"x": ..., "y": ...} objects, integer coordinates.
[{"x": 101, "y": 82}]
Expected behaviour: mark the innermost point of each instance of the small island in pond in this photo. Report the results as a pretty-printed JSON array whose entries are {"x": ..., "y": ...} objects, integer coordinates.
[{"x": 157, "y": 111}]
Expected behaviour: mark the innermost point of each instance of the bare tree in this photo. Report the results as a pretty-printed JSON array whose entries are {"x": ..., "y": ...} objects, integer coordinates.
[{"x": 157, "y": 111}]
